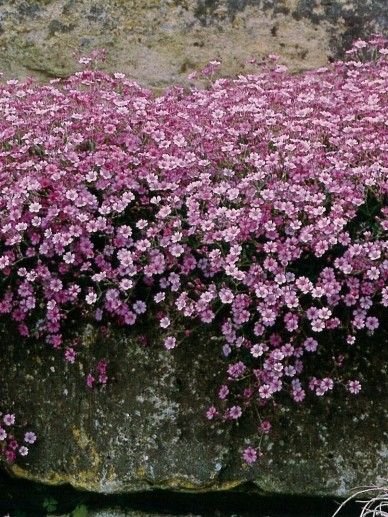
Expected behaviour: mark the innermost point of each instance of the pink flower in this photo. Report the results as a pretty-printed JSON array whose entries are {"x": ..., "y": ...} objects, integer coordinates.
[
  {"x": 291, "y": 321},
  {"x": 324, "y": 385},
  {"x": 165, "y": 322},
  {"x": 360, "y": 44},
  {"x": 30, "y": 437},
  {"x": 354, "y": 387},
  {"x": 298, "y": 395},
  {"x": 139, "y": 307},
  {"x": 317, "y": 325},
  {"x": 159, "y": 297},
  {"x": 226, "y": 295},
  {"x": 265, "y": 391},
  {"x": 384, "y": 297},
  {"x": 91, "y": 298},
  {"x": 3, "y": 434},
  {"x": 327, "y": 383},
  {"x": 265, "y": 426},
  {"x": 226, "y": 350},
  {"x": 13, "y": 444},
  {"x": 70, "y": 355},
  {"x": 257, "y": 350},
  {"x": 10, "y": 456},
  {"x": 290, "y": 371},
  {"x": 110, "y": 129},
  {"x": 304, "y": 284},
  {"x": 9, "y": 419},
  {"x": 90, "y": 380},
  {"x": 102, "y": 378},
  {"x": 126, "y": 284},
  {"x": 223, "y": 392},
  {"x": 23, "y": 450},
  {"x": 211, "y": 413},
  {"x": 176, "y": 250},
  {"x": 250, "y": 455},
  {"x": 130, "y": 318},
  {"x": 234, "y": 413},
  {"x": 310, "y": 344},
  {"x": 170, "y": 342},
  {"x": 236, "y": 370},
  {"x": 372, "y": 323}
]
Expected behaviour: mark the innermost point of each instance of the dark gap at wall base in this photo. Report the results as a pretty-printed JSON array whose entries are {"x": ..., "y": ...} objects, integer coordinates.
[{"x": 22, "y": 498}]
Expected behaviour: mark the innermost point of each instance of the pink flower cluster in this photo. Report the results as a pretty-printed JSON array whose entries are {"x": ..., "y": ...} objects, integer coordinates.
[
  {"x": 10, "y": 446},
  {"x": 254, "y": 206},
  {"x": 99, "y": 377}
]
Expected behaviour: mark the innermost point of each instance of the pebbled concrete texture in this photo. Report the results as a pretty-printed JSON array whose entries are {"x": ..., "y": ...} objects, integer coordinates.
[
  {"x": 147, "y": 429},
  {"x": 159, "y": 42}
]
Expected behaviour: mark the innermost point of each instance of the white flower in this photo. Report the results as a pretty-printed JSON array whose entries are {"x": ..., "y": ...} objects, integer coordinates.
[
  {"x": 165, "y": 322},
  {"x": 23, "y": 451},
  {"x": 91, "y": 298}
]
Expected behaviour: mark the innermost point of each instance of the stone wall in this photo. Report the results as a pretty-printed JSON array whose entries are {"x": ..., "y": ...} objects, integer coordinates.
[
  {"x": 158, "y": 42},
  {"x": 147, "y": 428}
]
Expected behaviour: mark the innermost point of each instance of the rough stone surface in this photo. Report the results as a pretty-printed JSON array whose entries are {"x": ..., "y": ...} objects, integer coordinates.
[
  {"x": 147, "y": 429},
  {"x": 158, "y": 42}
]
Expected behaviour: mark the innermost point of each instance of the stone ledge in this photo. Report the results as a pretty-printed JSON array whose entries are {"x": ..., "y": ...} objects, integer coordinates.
[
  {"x": 147, "y": 430},
  {"x": 159, "y": 43}
]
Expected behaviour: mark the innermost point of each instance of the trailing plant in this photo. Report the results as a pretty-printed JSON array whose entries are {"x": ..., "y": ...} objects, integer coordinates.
[{"x": 254, "y": 206}]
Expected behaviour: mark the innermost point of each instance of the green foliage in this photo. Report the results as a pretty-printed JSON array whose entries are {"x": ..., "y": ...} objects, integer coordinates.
[
  {"x": 80, "y": 511},
  {"x": 50, "y": 504}
]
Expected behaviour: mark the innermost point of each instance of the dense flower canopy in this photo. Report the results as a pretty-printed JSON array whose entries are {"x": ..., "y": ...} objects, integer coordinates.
[{"x": 255, "y": 206}]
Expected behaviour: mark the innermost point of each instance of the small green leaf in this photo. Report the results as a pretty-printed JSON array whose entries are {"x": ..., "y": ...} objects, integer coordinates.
[
  {"x": 50, "y": 504},
  {"x": 80, "y": 511}
]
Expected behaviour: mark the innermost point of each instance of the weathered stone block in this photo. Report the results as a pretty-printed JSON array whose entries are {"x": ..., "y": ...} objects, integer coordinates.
[
  {"x": 147, "y": 428},
  {"x": 158, "y": 42}
]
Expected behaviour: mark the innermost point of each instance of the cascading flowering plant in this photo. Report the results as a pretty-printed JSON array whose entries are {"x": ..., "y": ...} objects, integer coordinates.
[
  {"x": 254, "y": 206},
  {"x": 10, "y": 445}
]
